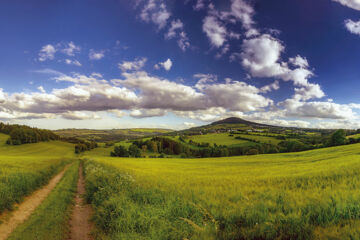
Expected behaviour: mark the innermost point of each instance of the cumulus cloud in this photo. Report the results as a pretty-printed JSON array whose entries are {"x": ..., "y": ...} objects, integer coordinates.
[
  {"x": 354, "y": 4},
  {"x": 155, "y": 11},
  {"x": 294, "y": 108},
  {"x": 79, "y": 115},
  {"x": 135, "y": 65},
  {"x": 70, "y": 49},
  {"x": 162, "y": 93},
  {"x": 189, "y": 124},
  {"x": 176, "y": 30},
  {"x": 73, "y": 62},
  {"x": 96, "y": 55},
  {"x": 270, "y": 87},
  {"x": 353, "y": 27},
  {"x": 145, "y": 113},
  {"x": 117, "y": 113},
  {"x": 244, "y": 12},
  {"x": 215, "y": 31},
  {"x": 166, "y": 65},
  {"x": 47, "y": 52}
]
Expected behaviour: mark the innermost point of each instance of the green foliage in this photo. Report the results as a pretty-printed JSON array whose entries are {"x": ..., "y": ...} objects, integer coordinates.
[
  {"x": 21, "y": 134},
  {"x": 134, "y": 151},
  {"x": 83, "y": 146},
  {"x": 120, "y": 151},
  {"x": 50, "y": 219},
  {"x": 338, "y": 138}
]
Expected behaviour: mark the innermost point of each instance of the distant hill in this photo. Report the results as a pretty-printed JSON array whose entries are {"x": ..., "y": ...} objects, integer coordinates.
[
  {"x": 235, "y": 120},
  {"x": 111, "y": 134}
]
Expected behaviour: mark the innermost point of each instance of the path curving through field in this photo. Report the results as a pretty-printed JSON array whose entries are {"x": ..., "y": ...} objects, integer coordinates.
[
  {"x": 27, "y": 207},
  {"x": 80, "y": 225}
]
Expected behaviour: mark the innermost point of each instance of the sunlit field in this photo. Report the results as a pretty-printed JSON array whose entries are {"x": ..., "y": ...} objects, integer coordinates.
[
  {"x": 27, "y": 167},
  {"x": 305, "y": 195}
]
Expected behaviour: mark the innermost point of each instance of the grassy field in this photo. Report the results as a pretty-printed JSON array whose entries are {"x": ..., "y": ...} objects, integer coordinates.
[
  {"x": 27, "y": 167},
  {"x": 306, "y": 195},
  {"x": 219, "y": 139},
  {"x": 263, "y": 139},
  {"x": 354, "y": 136},
  {"x": 50, "y": 220}
]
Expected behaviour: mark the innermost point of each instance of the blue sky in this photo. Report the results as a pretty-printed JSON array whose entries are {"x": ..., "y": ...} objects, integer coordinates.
[{"x": 177, "y": 64}]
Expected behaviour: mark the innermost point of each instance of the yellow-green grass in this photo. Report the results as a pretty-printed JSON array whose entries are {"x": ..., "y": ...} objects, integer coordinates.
[
  {"x": 306, "y": 195},
  {"x": 50, "y": 219},
  {"x": 262, "y": 139},
  {"x": 354, "y": 136},
  {"x": 24, "y": 168},
  {"x": 219, "y": 139}
]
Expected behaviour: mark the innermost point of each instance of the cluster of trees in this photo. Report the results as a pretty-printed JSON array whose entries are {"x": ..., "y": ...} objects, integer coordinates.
[
  {"x": 83, "y": 146},
  {"x": 121, "y": 151},
  {"x": 21, "y": 134}
]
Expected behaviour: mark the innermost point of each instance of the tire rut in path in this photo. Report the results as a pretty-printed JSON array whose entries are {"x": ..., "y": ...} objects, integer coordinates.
[
  {"x": 27, "y": 207},
  {"x": 80, "y": 225}
]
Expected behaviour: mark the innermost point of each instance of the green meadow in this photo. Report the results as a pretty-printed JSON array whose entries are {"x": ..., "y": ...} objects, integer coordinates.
[
  {"x": 24, "y": 168},
  {"x": 354, "y": 136},
  {"x": 305, "y": 195},
  {"x": 219, "y": 139}
]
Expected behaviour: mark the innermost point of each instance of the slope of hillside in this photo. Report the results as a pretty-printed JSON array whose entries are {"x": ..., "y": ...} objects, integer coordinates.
[{"x": 307, "y": 195}]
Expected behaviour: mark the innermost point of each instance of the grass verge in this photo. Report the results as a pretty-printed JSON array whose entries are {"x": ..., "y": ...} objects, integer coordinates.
[
  {"x": 18, "y": 182},
  {"x": 50, "y": 220}
]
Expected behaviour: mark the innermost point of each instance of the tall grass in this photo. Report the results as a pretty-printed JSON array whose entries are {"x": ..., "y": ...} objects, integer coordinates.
[
  {"x": 125, "y": 210},
  {"x": 306, "y": 195},
  {"x": 50, "y": 219},
  {"x": 25, "y": 168},
  {"x": 17, "y": 183}
]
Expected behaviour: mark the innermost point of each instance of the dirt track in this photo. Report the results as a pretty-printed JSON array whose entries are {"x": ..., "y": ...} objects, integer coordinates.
[
  {"x": 80, "y": 226},
  {"x": 27, "y": 207}
]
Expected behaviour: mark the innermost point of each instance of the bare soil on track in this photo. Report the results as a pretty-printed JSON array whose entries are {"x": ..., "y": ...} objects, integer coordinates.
[{"x": 80, "y": 225}]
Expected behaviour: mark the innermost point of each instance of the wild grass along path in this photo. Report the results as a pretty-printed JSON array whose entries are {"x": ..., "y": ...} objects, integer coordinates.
[{"x": 27, "y": 207}]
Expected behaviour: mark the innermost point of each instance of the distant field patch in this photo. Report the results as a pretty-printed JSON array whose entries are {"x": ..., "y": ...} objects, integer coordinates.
[
  {"x": 354, "y": 136},
  {"x": 219, "y": 139}
]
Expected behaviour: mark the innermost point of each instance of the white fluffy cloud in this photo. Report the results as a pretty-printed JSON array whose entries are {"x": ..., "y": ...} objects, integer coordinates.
[
  {"x": 215, "y": 31},
  {"x": 354, "y": 4},
  {"x": 80, "y": 115},
  {"x": 155, "y": 11},
  {"x": 73, "y": 62},
  {"x": 47, "y": 52},
  {"x": 135, "y": 65},
  {"x": 166, "y": 65},
  {"x": 96, "y": 55},
  {"x": 294, "y": 108},
  {"x": 243, "y": 11},
  {"x": 353, "y": 27}
]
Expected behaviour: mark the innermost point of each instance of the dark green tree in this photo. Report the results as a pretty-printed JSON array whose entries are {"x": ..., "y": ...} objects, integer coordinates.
[{"x": 338, "y": 138}]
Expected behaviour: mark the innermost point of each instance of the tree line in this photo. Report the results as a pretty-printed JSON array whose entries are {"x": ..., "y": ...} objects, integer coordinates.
[{"x": 21, "y": 134}]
